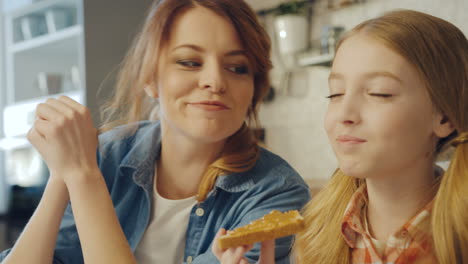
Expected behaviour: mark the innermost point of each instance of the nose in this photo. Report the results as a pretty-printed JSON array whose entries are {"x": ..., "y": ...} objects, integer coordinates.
[
  {"x": 212, "y": 78},
  {"x": 349, "y": 110}
]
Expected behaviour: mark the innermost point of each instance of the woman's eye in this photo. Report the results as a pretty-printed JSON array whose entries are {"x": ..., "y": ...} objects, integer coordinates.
[
  {"x": 381, "y": 95},
  {"x": 189, "y": 64},
  {"x": 239, "y": 69},
  {"x": 331, "y": 96}
]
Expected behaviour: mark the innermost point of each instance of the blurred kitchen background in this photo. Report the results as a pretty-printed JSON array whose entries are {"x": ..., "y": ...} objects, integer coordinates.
[{"x": 50, "y": 47}]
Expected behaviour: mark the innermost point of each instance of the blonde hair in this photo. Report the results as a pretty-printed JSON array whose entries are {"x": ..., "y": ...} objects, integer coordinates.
[
  {"x": 439, "y": 51},
  {"x": 131, "y": 104}
]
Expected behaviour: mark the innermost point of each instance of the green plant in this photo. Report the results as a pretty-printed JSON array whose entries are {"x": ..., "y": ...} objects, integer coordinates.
[{"x": 296, "y": 7}]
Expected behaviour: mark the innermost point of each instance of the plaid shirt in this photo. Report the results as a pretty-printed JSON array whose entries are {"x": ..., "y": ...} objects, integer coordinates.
[{"x": 409, "y": 245}]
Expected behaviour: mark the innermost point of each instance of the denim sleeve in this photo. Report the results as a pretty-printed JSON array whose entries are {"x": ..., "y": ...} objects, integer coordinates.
[
  {"x": 68, "y": 249},
  {"x": 4, "y": 254},
  {"x": 291, "y": 196}
]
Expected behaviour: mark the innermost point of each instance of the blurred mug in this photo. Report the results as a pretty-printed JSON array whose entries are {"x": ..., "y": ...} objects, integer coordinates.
[{"x": 49, "y": 83}]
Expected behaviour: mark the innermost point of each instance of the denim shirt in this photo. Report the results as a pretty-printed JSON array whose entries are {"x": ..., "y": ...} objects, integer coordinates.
[{"x": 127, "y": 161}]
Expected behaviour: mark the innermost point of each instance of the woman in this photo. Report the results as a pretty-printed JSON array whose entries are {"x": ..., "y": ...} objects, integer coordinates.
[
  {"x": 158, "y": 191},
  {"x": 389, "y": 117}
]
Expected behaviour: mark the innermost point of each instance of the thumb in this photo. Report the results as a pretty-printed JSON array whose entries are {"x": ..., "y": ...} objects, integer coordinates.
[
  {"x": 267, "y": 252},
  {"x": 36, "y": 138},
  {"x": 217, "y": 251}
]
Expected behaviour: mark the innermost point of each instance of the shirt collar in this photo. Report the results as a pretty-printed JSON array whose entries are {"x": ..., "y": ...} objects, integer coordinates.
[
  {"x": 236, "y": 182},
  {"x": 242, "y": 181},
  {"x": 144, "y": 146},
  {"x": 353, "y": 223},
  {"x": 145, "y": 150}
]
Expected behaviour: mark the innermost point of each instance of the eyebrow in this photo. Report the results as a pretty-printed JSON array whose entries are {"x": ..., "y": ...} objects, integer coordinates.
[
  {"x": 200, "y": 49},
  {"x": 370, "y": 75}
]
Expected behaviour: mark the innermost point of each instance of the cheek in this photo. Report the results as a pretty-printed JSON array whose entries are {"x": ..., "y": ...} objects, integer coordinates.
[
  {"x": 401, "y": 128},
  {"x": 329, "y": 121},
  {"x": 173, "y": 86},
  {"x": 243, "y": 92}
]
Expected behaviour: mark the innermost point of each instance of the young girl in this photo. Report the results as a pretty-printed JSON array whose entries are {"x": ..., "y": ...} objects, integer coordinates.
[
  {"x": 398, "y": 97},
  {"x": 157, "y": 192}
]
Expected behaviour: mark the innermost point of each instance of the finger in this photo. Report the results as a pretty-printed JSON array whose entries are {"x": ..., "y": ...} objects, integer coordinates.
[
  {"x": 267, "y": 252},
  {"x": 33, "y": 135},
  {"x": 244, "y": 261},
  {"x": 46, "y": 111},
  {"x": 72, "y": 103},
  {"x": 248, "y": 247},
  {"x": 68, "y": 107},
  {"x": 82, "y": 110},
  {"x": 35, "y": 138},
  {"x": 46, "y": 130},
  {"x": 217, "y": 251},
  {"x": 61, "y": 107},
  {"x": 233, "y": 255},
  {"x": 41, "y": 127}
]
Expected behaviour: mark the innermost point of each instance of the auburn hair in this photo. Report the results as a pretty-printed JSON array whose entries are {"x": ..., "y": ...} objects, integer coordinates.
[{"x": 130, "y": 103}]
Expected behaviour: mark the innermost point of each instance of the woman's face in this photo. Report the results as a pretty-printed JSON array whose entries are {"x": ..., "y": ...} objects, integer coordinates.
[
  {"x": 205, "y": 82},
  {"x": 380, "y": 119}
]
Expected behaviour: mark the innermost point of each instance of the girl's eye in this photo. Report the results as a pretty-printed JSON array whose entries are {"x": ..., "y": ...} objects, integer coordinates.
[
  {"x": 381, "y": 95},
  {"x": 239, "y": 69},
  {"x": 331, "y": 96},
  {"x": 189, "y": 64}
]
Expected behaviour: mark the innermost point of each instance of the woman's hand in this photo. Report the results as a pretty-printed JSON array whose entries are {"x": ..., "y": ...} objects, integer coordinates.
[
  {"x": 64, "y": 135},
  {"x": 236, "y": 255}
]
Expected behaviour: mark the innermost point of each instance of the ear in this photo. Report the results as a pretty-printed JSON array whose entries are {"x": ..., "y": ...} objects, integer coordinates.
[
  {"x": 151, "y": 90},
  {"x": 442, "y": 126}
]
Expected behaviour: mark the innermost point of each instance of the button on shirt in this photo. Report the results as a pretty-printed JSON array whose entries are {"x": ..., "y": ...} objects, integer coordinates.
[
  {"x": 410, "y": 244},
  {"x": 126, "y": 157},
  {"x": 200, "y": 212}
]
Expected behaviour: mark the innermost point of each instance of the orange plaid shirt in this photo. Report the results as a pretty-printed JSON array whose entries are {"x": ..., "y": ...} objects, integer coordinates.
[{"x": 409, "y": 245}]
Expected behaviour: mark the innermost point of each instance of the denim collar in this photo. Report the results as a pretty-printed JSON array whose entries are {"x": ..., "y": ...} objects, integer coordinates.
[{"x": 145, "y": 149}]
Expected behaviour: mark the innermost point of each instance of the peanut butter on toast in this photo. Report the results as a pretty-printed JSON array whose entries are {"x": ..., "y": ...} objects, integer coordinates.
[{"x": 271, "y": 226}]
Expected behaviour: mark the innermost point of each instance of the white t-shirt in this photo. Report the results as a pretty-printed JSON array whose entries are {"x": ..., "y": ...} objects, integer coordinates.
[{"x": 164, "y": 239}]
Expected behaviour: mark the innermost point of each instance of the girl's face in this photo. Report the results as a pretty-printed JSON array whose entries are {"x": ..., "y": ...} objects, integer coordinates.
[
  {"x": 380, "y": 119},
  {"x": 205, "y": 81}
]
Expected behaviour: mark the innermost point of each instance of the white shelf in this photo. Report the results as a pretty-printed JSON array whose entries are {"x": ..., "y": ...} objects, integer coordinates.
[
  {"x": 77, "y": 95},
  {"x": 49, "y": 43},
  {"x": 39, "y": 6},
  {"x": 10, "y": 143},
  {"x": 313, "y": 59},
  {"x": 20, "y": 116}
]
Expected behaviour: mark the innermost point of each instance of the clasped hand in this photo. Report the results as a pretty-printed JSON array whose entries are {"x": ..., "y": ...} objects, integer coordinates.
[{"x": 64, "y": 134}]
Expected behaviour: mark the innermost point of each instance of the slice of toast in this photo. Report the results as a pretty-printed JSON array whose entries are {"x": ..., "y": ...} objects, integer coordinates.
[{"x": 271, "y": 226}]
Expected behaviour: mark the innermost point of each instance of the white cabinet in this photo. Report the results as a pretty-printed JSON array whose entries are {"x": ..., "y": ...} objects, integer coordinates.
[
  {"x": 67, "y": 46},
  {"x": 44, "y": 44},
  {"x": 53, "y": 47}
]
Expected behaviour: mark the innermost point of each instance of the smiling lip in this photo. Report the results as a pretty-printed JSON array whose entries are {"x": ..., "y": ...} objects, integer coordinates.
[
  {"x": 350, "y": 139},
  {"x": 210, "y": 105}
]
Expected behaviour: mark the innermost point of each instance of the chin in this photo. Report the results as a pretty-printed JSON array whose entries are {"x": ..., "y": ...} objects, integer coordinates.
[
  {"x": 353, "y": 171},
  {"x": 215, "y": 131},
  {"x": 210, "y": 135}
]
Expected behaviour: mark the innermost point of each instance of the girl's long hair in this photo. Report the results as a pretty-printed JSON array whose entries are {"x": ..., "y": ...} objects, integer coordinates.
[
  {"x": 439, "y": 51},
  {"x": 130, "y": 103}
]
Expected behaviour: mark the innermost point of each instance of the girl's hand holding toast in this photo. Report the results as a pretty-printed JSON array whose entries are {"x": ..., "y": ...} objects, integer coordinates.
[{"x": 236, "y": 255}]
